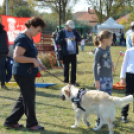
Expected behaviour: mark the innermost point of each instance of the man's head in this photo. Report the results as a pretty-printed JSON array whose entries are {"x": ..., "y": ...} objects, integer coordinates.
[
  {"x": 132, "y": 25},
  {"x": 70, "y": 25}
]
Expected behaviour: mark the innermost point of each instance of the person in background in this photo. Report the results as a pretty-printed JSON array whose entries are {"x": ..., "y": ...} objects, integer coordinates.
[
  {"x": 67, "y": 39},
  {"x": 3, "y": 52},
  {"x": 127, "y": 70},
  {"x": 25, "y": 68},
  {"x": 122, "y": 38},
  {"x": 54, "y": 34},
  {"x": 96, "y": 43},
  {"x": 103, "y": 65},
  {"x": 114, "y": 39},
  {"x": 83, "y": 42},
  {"x": 128, "y": 34}
]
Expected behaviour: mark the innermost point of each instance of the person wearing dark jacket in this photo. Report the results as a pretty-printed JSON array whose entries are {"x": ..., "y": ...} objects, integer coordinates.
[
  {"x": 67, "y": 39},
  {"x": 3, "y": 53}
]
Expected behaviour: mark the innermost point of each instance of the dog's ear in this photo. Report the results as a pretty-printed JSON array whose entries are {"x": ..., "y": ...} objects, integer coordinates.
[{"x": 67, "y": 92}]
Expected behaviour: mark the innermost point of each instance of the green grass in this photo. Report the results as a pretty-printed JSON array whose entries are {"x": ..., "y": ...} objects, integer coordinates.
[{"x": 57, "y": 116}]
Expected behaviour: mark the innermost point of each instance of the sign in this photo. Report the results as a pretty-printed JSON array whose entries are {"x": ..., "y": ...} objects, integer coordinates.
[{"x": 15, "y": 25}]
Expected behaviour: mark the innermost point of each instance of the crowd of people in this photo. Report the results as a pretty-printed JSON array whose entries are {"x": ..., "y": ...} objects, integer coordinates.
[{"x": 25, "y": 66}]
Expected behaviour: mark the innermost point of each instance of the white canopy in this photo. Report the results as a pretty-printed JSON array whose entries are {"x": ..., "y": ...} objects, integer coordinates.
[{"x": 110, "y": 25}]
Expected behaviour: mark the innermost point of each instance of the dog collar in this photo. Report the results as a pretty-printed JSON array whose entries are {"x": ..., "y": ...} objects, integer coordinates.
[{"x": 77, "y": 99}]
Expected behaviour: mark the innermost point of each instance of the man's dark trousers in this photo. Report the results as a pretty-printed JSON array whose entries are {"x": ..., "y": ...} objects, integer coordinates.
[
  {"x": 66, "y": 61},
  {"x": 129, "y": 91}
]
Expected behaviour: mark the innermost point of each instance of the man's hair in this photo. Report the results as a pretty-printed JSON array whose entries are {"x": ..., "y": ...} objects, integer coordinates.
[
  {"x": 132, "y": 25},
  {"x": 35, "y": 22}
]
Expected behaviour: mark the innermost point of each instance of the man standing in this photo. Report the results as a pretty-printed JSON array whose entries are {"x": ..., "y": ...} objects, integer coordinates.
[
  {"x": 128, "y": 34},
  {"x": 67, "y": 39}
]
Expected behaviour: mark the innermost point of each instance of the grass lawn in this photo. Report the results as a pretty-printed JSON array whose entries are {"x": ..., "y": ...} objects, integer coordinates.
[{"x": 57, "y": 116}]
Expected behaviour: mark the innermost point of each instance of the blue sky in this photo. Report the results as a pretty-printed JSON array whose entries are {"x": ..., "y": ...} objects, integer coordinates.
[{"x": 80, "y": 6}]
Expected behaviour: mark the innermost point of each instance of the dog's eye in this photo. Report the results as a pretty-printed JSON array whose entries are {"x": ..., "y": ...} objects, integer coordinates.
[{"x": 63, "y": 97}]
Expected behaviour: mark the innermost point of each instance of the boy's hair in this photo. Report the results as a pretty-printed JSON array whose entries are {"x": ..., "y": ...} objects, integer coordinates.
[
  {"x": 105, "y": 35},
  {"x": 96, "y": 41},
  {"x": 102, "y": 35},
  {"x": 35, "y": 22},
  {"x": 132, "y": 36}
]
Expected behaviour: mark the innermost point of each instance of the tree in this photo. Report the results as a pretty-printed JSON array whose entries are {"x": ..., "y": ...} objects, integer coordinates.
[
  {"x": 108, "y": 7},
  {"x": 121, "y": 11},
  {"x": 22, "y": 12},
  {"x": 101, "y": 7},
  {"x": 14, "y": 4},
  {"x": 66, "y": 6}
]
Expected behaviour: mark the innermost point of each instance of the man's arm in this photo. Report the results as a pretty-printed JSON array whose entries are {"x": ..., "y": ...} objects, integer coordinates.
[
  {"x": 78, "y": 38},
  {"x": 59, "y": 38}
]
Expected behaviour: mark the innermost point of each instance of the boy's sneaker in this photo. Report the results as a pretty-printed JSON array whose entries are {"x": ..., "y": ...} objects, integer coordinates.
[{"x": 124, "y": 119}]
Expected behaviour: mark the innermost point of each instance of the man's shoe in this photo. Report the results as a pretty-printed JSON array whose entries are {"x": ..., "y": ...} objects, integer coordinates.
[
  {"x": 75, "y": 84},
  {"x": 36, "y": 128},
  {"x": 66, "y": 82},
  {"x": 124, "y": 119}
]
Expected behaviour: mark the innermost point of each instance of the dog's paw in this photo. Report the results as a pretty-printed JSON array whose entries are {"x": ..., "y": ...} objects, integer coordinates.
[
  {"x": 95, "y": 129},
  {"x": 73, "y": 126},
  {"x": 87, "y": 123}
]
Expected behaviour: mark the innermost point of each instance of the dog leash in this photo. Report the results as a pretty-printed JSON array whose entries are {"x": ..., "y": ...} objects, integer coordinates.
[{"x": 53, "y": 76}]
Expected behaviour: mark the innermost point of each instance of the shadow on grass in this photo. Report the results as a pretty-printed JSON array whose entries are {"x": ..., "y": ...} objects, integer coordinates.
[
  {"x": 9, "y": 98},
  {"x": 84, "y": 72},
  {"x": 122, "y": 92},
  {"x": 44, "y": 94},
  {"x": 24, "y": 130}
]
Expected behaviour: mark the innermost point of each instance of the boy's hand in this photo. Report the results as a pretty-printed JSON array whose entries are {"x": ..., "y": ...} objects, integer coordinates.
[{"x": 97, "y": 84}]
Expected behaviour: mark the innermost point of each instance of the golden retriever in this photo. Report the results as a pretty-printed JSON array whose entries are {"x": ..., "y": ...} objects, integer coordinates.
[{"x": 95, "y": 102}]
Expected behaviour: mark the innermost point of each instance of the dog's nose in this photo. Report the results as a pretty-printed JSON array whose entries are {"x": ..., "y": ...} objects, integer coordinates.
[{"x": 63, "y": 98}]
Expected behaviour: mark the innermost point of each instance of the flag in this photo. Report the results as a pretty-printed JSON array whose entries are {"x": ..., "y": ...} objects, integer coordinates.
[
  {"x": 15, "y": 25},
  {"x": 122, "y": 53}
]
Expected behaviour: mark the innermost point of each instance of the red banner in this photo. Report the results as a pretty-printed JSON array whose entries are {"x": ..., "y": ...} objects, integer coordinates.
[{"x": 15, "y": 25}]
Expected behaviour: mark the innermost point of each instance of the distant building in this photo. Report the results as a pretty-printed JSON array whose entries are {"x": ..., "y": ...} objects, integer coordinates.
[
  {"x": 88, "y": 16},
  {"x": 126, "y": 17}
]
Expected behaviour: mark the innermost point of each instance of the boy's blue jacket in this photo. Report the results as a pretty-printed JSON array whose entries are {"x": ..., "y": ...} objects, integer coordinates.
[{"x": 60, "y": 40}]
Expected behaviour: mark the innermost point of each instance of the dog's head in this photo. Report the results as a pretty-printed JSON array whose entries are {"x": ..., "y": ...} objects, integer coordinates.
[{"x": 66, "y": 92}]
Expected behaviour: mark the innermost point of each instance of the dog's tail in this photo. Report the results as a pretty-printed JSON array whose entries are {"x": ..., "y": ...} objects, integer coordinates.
[{"x": 122, "y": 101}]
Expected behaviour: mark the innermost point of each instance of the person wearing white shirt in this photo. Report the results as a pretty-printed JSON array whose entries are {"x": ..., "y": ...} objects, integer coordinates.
[
  {"x": 129, "y": 34},
  {"x": 128, "y": 70},
  {"x": 83, "y": 41}
]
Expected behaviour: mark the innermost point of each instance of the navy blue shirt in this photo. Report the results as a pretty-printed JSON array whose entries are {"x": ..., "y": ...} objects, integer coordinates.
[{"x": 25, "y": 69}]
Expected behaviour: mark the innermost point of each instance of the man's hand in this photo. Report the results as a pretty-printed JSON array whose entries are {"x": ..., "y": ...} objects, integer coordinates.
[
  {"x": 73, "y": 38},
  {"x": 122, "y": 81},
  {"x": 66, "y": 39}
]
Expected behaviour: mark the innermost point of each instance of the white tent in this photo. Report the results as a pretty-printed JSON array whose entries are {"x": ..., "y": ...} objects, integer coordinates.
[{"x": 110, "y": 25}]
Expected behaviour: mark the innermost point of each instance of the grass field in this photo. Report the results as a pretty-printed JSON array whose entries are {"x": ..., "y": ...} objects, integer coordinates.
[{"x": 57, "y": 116}]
